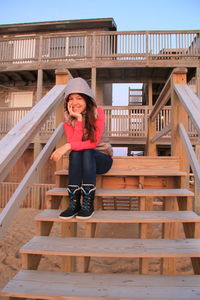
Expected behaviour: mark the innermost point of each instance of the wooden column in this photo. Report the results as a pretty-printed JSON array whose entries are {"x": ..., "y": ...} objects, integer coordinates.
[
  {"x": 94, "y": 80},
  {"x": 39, "y": 84},
  {"x": 179, "y": 115},
  {"x": 150, "y": 94},
  {"x": 37, "y": 144},
  {"x": 62, "y": 77},
  {"x": 151, "y": 147}
]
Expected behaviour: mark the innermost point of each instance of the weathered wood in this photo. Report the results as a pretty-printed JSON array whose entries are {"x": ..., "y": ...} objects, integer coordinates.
[
  {"x": 179, "y": 115},
  {"x": 62, "y": 78},
  {"x": 30, "y": 261},
  {"x": 18, "y": 196},
  {"x": 103, "y": 247},
  {"x": 163, "y": 132},
  {"x": 151, "y": 146},
  {"x": 132, "y": 217},
  {"x": 191, "y": 154},
  {"x": 129, "y": 192},
  {"x": 169, "y": 232},
  {"x": 65, "y": 286},
  {"x": 18, "y": 138},
  {"x": 190, "y": 101}
]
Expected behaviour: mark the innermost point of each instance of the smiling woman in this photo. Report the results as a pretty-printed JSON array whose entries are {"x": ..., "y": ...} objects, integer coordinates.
[{"x": 90, "y": 150}]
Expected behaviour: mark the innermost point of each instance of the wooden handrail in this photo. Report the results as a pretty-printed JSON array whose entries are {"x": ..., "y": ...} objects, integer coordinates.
[
  {"x": 185, "y": 103},
  {"x": 191, "y": 103},
  {"x": 191, "y": 154},
  {"x": 16, "y": 141},
  {"x": 18, "y": 196}
]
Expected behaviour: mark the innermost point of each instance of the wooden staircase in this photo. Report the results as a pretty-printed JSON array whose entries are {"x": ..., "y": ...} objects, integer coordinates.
[{"x": 147, "y": 191}]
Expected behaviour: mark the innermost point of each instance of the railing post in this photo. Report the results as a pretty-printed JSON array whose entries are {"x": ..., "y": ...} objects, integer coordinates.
[
  {"x": 179, "y": 115},
  {"x": 151, "y": 147},
  {"x": 62, "y": 77}
]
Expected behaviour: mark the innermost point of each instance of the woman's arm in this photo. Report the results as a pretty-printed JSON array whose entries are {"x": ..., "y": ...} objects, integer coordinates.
[
  {"x": 59, "y": 152},
  {"x": 75, "y": 134}
]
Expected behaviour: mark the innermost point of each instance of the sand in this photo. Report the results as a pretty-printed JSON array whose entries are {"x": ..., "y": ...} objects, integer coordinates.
[{"x": 22, "y": 230}]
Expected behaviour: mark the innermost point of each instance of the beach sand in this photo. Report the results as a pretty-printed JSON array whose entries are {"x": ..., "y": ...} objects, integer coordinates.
[{"x": 22, "y": 230}]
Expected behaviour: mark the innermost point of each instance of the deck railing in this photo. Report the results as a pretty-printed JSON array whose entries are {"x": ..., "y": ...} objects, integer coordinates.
[
  {"x": 8, "y": 188},
  {"x": 185, "y": 104},
  {"x": 115, "y": 45},
  {"x": 122, "y": 121}
]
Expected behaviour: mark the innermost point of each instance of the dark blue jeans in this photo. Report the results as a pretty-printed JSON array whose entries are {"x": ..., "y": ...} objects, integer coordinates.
[{"x": 85, "y": 164}]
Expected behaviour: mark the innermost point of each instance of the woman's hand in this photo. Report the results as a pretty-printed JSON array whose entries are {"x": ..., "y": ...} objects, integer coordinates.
[
  {"x": 74, "y": 114},
  {"x": 59, "y": 152}
]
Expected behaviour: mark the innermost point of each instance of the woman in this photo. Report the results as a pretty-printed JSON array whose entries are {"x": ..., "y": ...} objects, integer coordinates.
[{"x": 90, "y": 150}]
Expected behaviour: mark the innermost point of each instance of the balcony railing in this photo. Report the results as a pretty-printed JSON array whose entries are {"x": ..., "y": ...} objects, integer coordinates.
[
  {"x": 121, "y": 121},
  {"x": 128, "y": 45}
]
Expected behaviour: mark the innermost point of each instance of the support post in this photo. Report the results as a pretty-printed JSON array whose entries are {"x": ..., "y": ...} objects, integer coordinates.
[
  {"x": 94, "y": 80},
  {"x": 179, "y": 115},
  {"x": 151, "y": 147},
  {"x": 37, "y": 144},
  {"x": 62, "y": 77}
]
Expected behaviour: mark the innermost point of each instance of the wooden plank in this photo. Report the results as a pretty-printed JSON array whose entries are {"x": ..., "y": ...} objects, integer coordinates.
[
  {"x": 105, "y": 247},
  {"x": 190, "y": 101},
  {"x": 21, "y": 191},
  {"x": 113, "y": 216},
  {"x": 146, "y": 164},
  {"x": 129, "y": 192},
  {"x": 71, "y": 286},
  {"x": 133, "y": 173}
]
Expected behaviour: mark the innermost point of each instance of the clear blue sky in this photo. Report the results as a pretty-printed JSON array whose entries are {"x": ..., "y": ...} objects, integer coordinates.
[{"x": 128, "y": 14}]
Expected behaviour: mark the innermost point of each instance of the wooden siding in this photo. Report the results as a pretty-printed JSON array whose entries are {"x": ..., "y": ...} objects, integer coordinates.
[{"x": 8, "y": 188}]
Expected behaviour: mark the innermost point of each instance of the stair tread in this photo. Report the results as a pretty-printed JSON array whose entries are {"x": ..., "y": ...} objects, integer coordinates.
[
  {"x": 105, "y": 247},
  {"x": 128, "y": 192},
  {"x": 114, "y": 216},
  {"x": 47, "y": 284},
  {"x": 134, "y": 173}
]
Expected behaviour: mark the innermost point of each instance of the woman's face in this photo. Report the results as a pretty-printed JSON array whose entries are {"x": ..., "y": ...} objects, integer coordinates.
[{"x": 77, "y": 103}]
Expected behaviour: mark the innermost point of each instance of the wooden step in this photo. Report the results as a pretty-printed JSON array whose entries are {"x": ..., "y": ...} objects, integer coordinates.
[
  {"x": 105, "y": 247},
  {"x": 71, "y": 286},
  {"x": 132, "y": 178},
  {"x": 133, "y": 173},
  {"x": 129, "y": 192},
  {"x": 114, "y": 216}
]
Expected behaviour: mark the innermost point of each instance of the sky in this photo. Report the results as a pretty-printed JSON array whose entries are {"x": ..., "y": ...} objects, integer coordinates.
[{"x": 129, "y": 15}]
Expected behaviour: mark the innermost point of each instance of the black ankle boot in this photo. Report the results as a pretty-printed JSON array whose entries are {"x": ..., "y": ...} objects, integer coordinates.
[
  {"x": 87, "y": 208},
  {"x": 74, "y": 202}
]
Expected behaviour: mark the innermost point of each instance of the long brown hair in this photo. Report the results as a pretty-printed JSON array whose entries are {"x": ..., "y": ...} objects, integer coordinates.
[{"x": 90, "y": 117}]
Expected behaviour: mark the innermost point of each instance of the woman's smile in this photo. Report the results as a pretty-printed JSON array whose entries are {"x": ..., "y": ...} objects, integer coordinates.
[{"x": 77, "y": 103}]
